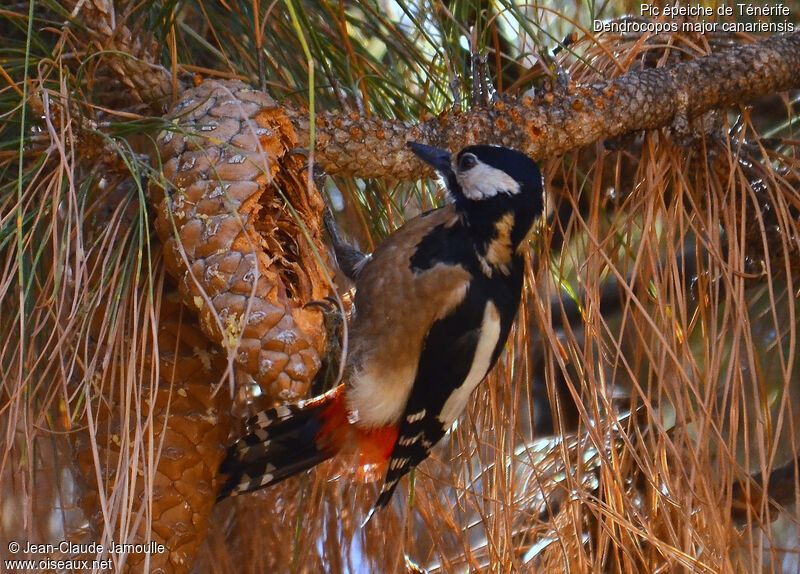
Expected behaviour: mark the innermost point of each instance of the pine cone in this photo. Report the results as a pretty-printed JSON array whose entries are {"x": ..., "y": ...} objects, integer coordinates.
[
  {"x": 240, "y": 226},
  {"x": 187, "y": 437},
  {"x": 131, "y": 54}
]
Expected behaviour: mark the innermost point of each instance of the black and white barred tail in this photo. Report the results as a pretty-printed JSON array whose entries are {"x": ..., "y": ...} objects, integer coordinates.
[{"x": 281, "y": 442}]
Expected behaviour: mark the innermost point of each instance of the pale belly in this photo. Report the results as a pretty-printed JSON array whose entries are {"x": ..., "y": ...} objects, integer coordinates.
[{"x": 379, "y": 390}]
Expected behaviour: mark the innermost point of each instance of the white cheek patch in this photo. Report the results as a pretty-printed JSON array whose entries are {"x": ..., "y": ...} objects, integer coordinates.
[{"x": 483, "y": 181}]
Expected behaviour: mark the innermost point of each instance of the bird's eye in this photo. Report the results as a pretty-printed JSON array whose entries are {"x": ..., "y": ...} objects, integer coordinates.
[{"x": 467, "y": 161}]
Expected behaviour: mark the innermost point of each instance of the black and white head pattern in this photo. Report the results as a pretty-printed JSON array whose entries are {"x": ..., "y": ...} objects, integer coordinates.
[{"x": 485, "y": 171}]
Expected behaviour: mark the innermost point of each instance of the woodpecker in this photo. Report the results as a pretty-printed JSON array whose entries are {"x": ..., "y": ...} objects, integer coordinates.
[{"x": 434, "y": 304}]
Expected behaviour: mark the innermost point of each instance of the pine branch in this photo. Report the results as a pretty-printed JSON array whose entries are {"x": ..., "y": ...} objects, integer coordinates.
[{"x": 354, "y": 145}]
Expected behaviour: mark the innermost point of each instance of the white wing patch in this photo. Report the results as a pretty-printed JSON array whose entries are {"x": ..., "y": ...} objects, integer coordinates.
[
  {"x": 484, "y": 181},
  {"x": 408, "y": 441},
  {"x": 490, "y": 334},
  {"x": 414, "y": 417}
]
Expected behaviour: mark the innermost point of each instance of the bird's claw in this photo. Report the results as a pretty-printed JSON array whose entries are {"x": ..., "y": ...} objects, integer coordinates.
[
  {"x": 480, "y": 81},
  {"x": 317, "y": 173},
  {"x": 349, "y": 258},
  {"x": 326, "y": 304}
]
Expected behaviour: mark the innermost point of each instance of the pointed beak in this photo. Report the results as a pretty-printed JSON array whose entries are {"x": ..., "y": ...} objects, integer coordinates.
[{"x": 438, "y": 159}]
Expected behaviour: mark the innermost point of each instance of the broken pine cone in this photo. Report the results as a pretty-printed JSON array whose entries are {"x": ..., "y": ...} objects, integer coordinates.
[
  {"x": 241, "y": 228},
  {"x": 146, "y": 459},
  {"x": 163, "y": 456}
]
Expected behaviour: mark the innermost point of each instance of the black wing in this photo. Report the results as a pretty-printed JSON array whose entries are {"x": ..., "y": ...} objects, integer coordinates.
[
  {"x": 280, "y": 443},
  {"x": 445, "y": 362}
]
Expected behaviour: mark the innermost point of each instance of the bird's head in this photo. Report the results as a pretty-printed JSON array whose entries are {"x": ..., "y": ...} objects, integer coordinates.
[{"x": 485, "y": 181}]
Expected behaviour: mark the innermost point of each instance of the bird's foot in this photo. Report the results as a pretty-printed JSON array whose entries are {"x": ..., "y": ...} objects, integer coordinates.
[{"x": 318, "y": 174}]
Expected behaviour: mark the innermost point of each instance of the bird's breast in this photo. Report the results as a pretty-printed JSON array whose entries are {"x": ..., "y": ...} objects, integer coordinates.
[{"x": 392, "y": 319}]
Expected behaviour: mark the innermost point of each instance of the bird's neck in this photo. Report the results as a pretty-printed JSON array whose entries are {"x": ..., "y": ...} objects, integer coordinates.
[
  {"x": 497, "y": 228},
  {"x": 502, "y": 217}
]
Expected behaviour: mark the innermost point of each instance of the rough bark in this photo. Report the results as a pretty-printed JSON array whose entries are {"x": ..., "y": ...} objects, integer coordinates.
[
  {"x": 549, "y": 125},
  {"x": 546, "y": 125}
]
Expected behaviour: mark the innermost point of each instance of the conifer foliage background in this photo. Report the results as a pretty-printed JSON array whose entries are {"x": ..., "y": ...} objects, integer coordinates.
[{"x": 160, "y": 238}]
